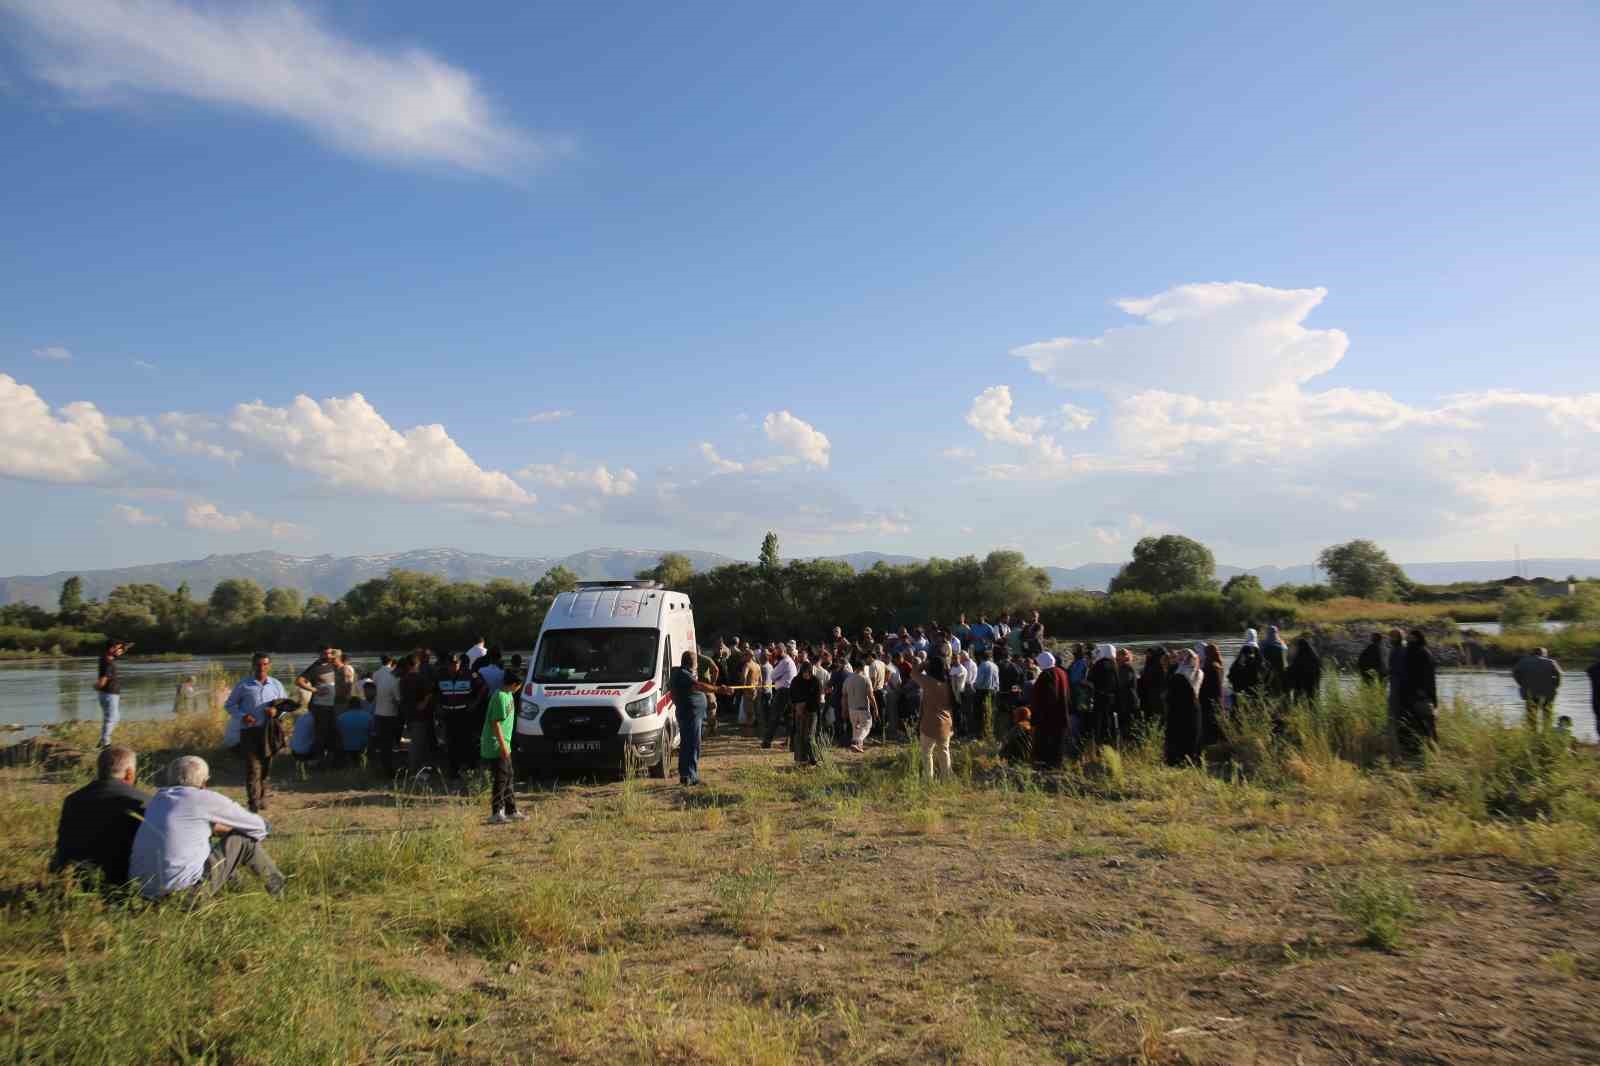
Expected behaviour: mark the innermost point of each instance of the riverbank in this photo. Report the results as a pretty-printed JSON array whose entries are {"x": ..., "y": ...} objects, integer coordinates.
[
  {"x": 1124, "y": 912},
  {"x": 1576, "y": 647}
]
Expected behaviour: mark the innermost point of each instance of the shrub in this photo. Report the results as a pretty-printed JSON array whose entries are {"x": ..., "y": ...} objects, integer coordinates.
[{"x": 1381, "y": 906}]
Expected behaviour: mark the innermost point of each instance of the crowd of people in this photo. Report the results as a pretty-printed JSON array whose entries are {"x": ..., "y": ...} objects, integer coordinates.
[{"x": 985, "y": 681}]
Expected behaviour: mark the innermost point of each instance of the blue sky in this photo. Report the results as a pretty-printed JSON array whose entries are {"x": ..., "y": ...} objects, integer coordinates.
[{"x": 671, "y": 278}]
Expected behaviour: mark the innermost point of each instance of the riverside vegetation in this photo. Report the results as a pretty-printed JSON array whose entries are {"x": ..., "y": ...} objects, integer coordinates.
[
  {"x": 1304, "y": 901},
  {"x": 1167, "y": 587}
]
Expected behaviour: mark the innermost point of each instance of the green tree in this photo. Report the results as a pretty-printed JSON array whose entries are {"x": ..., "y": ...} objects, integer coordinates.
[
  {"x": 1582, "y": 606},
  {"x": 1520, "y": 609},
  {"x": 768, "y": 560},
  {"x": 236, "y": 601},
  {"x": 1169, "y": 563},
  {"x": 1244, "y": 587},
  {"x": 1361, "y": 568},
  {"x": 316, "y": 609},
  {"x": 70, "y": 602},
  {"x": 284, "y": 603},
  {"x": 673, "y": 571},
  {"x": 553, "y": 582}
]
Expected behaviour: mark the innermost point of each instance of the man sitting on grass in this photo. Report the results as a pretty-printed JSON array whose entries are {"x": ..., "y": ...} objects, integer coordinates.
[
  {"x": 98, "y": 822},
  {"x": 173, "y": 852}
]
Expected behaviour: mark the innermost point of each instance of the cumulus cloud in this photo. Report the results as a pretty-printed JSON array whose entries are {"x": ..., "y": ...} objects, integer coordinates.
[
  {"x": 179, "y": 432},
  {"x": 798, "y": 441},
  {"x": 53, "y": 353},
  {"x": 130, "y": 515},
  {"x": 1216, "y": 339},
  {"x": 797, "y": 438},
  {"x": 347, "y": 444},
  {"x": 1075, "y": 418},
  {"x": 74, "y": 446},
  {"x": 1234, "y": 414},
  {"x": 277, "y": 58},
  {"x": 208, "y": 517},
  {"x": 598, "y": 479}
]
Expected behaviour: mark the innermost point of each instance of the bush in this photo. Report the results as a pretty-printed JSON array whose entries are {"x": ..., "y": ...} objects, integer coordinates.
[{"x": 1383, "y": 907}]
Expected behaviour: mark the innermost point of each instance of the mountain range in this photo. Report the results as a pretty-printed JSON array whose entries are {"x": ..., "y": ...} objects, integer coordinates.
[{"x": 333, "y": 576}]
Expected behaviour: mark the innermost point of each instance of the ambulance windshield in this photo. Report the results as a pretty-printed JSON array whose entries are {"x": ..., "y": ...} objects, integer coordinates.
[{"x": 611, "y": 656}]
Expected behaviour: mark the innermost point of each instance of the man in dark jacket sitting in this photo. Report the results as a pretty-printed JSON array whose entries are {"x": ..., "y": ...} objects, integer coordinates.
[{"x": 99, "y": 820}]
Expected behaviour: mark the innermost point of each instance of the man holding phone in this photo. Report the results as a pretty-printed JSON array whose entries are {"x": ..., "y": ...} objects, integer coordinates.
[{"x": 109, "y": 689}]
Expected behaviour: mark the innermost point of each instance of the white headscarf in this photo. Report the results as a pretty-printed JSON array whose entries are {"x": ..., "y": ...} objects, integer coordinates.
[
  {"x": 1250, "y": 639},
  {"x": 1045, "y": 660},
  {"x": 1105, "y": 651},
  {"x": 1189, "y": 668}
]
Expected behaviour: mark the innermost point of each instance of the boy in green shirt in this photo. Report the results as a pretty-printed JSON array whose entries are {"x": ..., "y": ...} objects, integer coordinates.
[{"x": 498, "y": 720}]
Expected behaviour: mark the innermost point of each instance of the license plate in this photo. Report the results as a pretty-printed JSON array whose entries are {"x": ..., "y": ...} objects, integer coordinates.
[{"x": 578, "y": 745}]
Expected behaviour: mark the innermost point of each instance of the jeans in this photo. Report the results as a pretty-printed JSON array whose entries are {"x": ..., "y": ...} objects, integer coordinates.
[
  {"x": 690, "y": 724},
  {"x": 110, "y": 714},
  {"x": 387, "y": 735},
  {"x": 328, "y": 745},
  {"x": 233, "y": 851},
  {"x": 419, "y": 741},
  {"x": 257, "y": 765},
  {"x": 503, "y": 792},
  {"x": 777, "y": 712}
]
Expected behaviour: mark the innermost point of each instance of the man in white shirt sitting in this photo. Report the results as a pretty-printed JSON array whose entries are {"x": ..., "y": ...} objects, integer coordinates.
[{"x": 173, "y": 852}]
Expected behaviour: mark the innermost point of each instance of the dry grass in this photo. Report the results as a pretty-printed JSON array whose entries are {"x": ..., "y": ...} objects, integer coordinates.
[{"x": 1123, "y": 912}]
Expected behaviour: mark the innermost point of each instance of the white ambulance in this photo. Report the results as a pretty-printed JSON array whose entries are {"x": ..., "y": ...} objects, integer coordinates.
[{"x": 596, "y": 697}]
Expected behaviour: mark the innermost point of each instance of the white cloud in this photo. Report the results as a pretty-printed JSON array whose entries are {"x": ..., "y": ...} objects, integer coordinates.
[
  {"x": 958, "y": 453},
  {"x": 74, "y": 446},
  {"x": 142, "y": 364},
  {"x": 1209, "y": 340},
  {"x": 990, "y": 415},
  {"x": 345, "y": 443},
  {"x": 180, "y": 432},
  {"x": 129, "y": 515},
  {"x": 598, "y": 479},
  {"x": 541, "y": 417},
  {"x": 207, "y": 516},
  {"x": 718, "y": 463},
  {"x": 53, "y": 353},
  {"x": 797, "y": 437},
  {"x": 278, "y": 59},
  {"x": 1075, "y": 418}
]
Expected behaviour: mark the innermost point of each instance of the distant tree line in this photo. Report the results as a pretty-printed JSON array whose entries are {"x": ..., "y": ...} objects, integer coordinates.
[{"x": 1168, "y": 586}]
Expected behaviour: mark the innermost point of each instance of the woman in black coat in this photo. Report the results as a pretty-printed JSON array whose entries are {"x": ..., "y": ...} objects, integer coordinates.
[
  {"x": 1183, "y": 710},
  {"x": 1153, "y": 686},
  {"x": 1305, "y": 672},
  {"x": 1127, "y": 696},
  {"x": 1103, "y": 695}
]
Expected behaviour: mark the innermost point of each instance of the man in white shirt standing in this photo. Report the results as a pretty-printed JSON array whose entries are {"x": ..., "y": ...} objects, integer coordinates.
[
  {"x": 860, "y": 704},
  {"x": 783, "y": 672},
  {"x": 961, "y": 685},
  {"x": 172, "y": 851},
  {"x": 386, "y": 715}
]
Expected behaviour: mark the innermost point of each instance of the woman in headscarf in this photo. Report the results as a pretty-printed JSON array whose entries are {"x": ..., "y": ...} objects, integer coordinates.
[
  {"x": 1305, "y": 672},
  {"x": 1250, "y": 639},
  {"x": 1245, "y": 675},
  {"x": 1102, "y": 681},
  {"x": 1052, "y": 693},
  {"x": 1183, "y": 710},
  {"x": 1127, "y": 695},
  {"x": 1017, "y": 747},
  {"x": 1275, "y": 659},
  {"x": 938, "y": 720},
  {"x": 1153, "y": 686},
  {"x": 1419, "y": 695},
  {"x": 1211, "y": 696},
  {"x": 805, "y": 699}
]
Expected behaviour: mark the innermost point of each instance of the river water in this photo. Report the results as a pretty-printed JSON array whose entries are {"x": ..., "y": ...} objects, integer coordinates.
[{"x": 38, "y": 694}]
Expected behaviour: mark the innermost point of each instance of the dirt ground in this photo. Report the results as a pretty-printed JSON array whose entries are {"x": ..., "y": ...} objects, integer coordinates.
[{"x": 800, "y": 916}]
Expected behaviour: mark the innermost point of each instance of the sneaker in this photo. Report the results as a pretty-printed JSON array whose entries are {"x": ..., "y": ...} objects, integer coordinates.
[
  {"x": 498, "y": 818},
  {"x": 516, "y": 816}
]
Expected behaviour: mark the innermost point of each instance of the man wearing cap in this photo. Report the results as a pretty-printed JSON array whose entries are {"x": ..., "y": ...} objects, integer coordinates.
[{"x": 253, "y": 706}]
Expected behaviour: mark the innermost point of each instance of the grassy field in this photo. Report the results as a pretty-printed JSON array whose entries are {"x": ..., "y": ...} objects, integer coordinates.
[{"x": 1309, "y": 904}]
